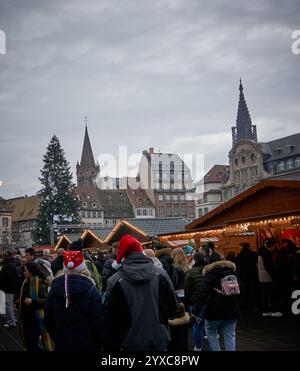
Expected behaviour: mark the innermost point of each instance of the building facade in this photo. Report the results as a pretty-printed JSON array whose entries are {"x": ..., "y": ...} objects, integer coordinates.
[
  {"x": 24, "y": 216},
  {"x": 209, "y": 190},
  {"x": 5, "y": 225},
  {"x": 168, "y": 183},
  {"x": 251, "y": 161}
]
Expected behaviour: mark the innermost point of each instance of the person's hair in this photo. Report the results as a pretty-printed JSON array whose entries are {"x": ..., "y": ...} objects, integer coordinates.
[
  {"x": 211, "y": 245},
  {"x": 206, "y": 250},
  {"x": 231, "y": 256},
  {"x": 149, "y": 252},
  {"x": 46, "y": 252},
  {"x": 76, "y": 245},
  {"x": 180, "y": 260},
  {"x": 30, "y": 251},
  {"x": 157, "y": 245},
  {"x": 60, "y": 251},
  {"x": 245, "y": 245},
  {"x": 199, "y": 258},
  {"x": 9, "y": 255},
  {"x": 270, "y": 242},
  {"x": 35, "y": 270}
]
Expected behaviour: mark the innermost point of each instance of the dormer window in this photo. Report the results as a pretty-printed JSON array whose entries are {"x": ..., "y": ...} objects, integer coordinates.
[
  {"x": 139, "y": 200},
  {"x": 84, "y": 204},
  {"x": 94, "y": 205},
  {"x": 278, "y": 151},
  {"x": 88, "y": 197},
  {"x": 290, "y": 148}
]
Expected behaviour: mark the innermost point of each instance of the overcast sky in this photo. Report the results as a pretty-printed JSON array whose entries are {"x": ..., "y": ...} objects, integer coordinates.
[{"x": 147, "y": 73}]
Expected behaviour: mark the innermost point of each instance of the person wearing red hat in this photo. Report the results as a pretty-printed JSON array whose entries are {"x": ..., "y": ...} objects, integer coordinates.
[
  {"x": 139, "y": 300},
  {"x": 74, "y": 314}
]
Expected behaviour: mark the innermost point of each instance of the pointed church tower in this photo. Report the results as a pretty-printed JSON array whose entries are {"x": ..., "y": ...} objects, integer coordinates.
[
  {"x": 244, "y": 128},
  {"x": 87, "y": 170}
]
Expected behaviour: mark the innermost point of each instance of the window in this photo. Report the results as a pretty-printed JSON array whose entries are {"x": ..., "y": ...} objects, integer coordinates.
[
  {"x": 290, "y": 164},
  {"x": 133, "y": 192},
  {"x": 205, "y": 210},
  {"x": 150, "y": 212},
  {"x": 139, "y": 212},
  {"x": 281, "y": 166},
  {"x": 147, "y": 201},
  {"x": 161, "y": 197},
  {"x": 175, "y": 198},
  {"x": 122, "y": 202},
  {"x": 243, "y": 159},
  {"x": 144, "y": 211},
  {"x": 200, "y": 212},
  {"x": 168, "y": 197},
  {"x": 139, "y": 200},
  {"x": 94, "y": 225},
  {"x": 83, "y": 214},
  {"x": 84, "y": 204},
  {"x": 89, "y": 225},
  {"x": 110, "y": 202},
  {"x": 5, "y": 222},
  {"x": 182, "y": 197},
  {"x": 94, "y": 214},
  {"x": 297, "y": 162},
  {"x": 161, "y": 210},
  {"x": 78, "y": 197},
  {"x": 106, "y": 222},
  {"x": 114, "y": 221},
  {"x": 94, "y": 205},
  {"x": 236, "y": 161},
  {"x": 253, "y": 157},
  {"x": 277, "y": 151},
  {"x": 88, "y": 214},
  {"x": 290, "y": 148}
]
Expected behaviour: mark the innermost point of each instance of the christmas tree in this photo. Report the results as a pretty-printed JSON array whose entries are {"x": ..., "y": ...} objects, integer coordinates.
[{"x": 58, "y": 202}]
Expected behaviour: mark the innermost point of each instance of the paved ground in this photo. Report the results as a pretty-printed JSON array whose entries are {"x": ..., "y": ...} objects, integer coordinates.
[{"x": 254, "y": 333}]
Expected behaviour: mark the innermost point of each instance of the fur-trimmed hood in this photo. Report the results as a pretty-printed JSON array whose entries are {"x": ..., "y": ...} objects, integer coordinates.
[
  {"x": 222, "y": 264},
  {"x": 184, "y": 320},
  {"x": 164, "y": 251}
]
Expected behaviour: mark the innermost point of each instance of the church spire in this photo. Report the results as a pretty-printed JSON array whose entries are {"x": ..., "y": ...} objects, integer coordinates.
[
  {"x": 244, "y": 128},
  {"x": 87, "y": 170}
]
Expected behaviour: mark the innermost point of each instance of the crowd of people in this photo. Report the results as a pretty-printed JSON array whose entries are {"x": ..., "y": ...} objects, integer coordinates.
[{"x": 136, "y": 299}]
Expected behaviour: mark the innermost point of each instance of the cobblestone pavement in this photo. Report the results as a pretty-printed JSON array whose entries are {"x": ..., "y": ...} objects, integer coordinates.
[{"x": 254, "y": 333}]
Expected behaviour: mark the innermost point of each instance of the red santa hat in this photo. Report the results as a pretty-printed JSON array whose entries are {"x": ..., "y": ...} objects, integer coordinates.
[
  {"x": 74, "y": 261},
  {"x": 127, "y": 246}
]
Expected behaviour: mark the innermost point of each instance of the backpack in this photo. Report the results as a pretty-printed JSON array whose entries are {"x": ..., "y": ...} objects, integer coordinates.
[{"x": 229, "y": 285}]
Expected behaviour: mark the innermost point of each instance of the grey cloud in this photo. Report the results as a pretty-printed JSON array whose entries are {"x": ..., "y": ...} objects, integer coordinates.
[{"x": 160, "y": 73}]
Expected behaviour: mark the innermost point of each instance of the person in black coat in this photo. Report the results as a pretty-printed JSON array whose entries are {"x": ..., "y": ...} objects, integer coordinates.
[
  {"x": 58, "y": 262},
  {"x": 221, "y": 312},
  {"x": 246, "y": 269},
  {"x": 74, "y": 315},
  {"x": 99, "y": 262},
  {"x": 179, "y": 330},
  {"x": 110, "y": 266},
  {"x": 9, "y": 284},
  {"x": 164, "y": 255}
]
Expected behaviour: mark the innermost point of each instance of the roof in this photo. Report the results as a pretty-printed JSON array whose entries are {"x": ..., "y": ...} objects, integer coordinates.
[
  {"x": 274, "y": 197},
  {"x": 4, "y": 206},
  {"x": 87, "y": 158},
  {"x": 115, "y": 203},
  {"x": 102, "y": 233},
  {"x": 282, "y": 143},
  {"x": 138, "y": 197},
  {"x": 215, "y": 174},
  {"x": 89, "y": 195},
  {"x": 24, "y": 208},
  {"x": 155, "y": 226}
]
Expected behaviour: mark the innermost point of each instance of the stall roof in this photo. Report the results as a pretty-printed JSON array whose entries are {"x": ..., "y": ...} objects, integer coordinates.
[{"x": 269, "y": 198}]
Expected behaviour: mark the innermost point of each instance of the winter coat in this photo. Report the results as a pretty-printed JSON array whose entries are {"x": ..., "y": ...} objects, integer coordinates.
[
  {"x": 193, "y": 284},
  {"x": 246, "y": 265},
  {"x": 179, "y": 330},
  {"x": 81, "y": 326},
  {"x": 110, "y": 267},
  {"x": 9, "y": 282},
  {"x": 99, "y": 264},
  {"x": 57, "y": 264},
  {"x": 265, "y": 265},
  {"x": 139, "y": 300},
  {"x": 164, "y": 256},
  {"x": 219, "y": 306}
]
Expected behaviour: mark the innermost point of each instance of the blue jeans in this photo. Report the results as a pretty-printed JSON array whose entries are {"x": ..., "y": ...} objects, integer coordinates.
[
  {"x": 9, "y": 308},
  {"x": 198, "y": 328},
  {"x": 228, "y": 328}
]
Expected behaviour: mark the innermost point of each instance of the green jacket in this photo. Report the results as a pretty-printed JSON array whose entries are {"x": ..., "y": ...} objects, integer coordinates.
[
  {"x": 193, "y": 284},
  {"x": 94, "y": 274}
]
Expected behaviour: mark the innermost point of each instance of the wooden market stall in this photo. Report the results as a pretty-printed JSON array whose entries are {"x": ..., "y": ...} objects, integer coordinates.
[{"x": 270, "y": 209}]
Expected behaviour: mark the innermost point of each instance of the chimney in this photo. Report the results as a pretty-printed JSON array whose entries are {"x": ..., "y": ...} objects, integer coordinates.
[{"x": 151, "y": 151}]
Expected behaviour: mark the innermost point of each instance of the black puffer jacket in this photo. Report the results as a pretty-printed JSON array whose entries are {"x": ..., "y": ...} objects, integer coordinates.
[
  {"x": 109, "y": 268},
  {"x": 164, "y": 256},
  {"x": 9, "y": 282},
  {"x": 81, "y": 326},
  {"x": 219, "y": 307}
]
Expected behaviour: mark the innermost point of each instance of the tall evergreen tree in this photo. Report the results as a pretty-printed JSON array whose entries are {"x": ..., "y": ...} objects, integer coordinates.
[{"x": 58, "y": 202}]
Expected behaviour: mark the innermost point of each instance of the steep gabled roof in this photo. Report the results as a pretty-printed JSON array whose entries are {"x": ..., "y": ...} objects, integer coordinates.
[
  {"x": 261, "y": 200},
  {"x": 87, "y": 157},
  {"x": 24, "y": 208}
]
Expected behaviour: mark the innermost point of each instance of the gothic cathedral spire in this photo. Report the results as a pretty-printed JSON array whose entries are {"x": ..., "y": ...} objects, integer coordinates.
[
  {"x": 87, "y": 170},
  {"x": 244, "y": 128}
]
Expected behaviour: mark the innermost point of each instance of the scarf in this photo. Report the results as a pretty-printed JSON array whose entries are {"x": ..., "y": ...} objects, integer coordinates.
[{"x": 39, "y": 313}]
